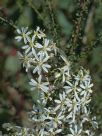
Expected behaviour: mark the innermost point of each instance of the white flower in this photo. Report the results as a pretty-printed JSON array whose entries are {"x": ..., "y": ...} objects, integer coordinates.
[
  {"x": 61, "y": 102},
  {"x": 64, "y": 71},
  {"x": 82, "y": 76},
  {"x": 71, "y": 87},
  {"x": 75, "y": 131},
  {"x": 25, "y": 59},
  {"x": 38, "y": 33},
  {"x": 24, "y": 34},
  {"x": 86, "y": 87},
  {"x": 45, "y": 97},
  {"x": 57, "y": 120},
  {"x": 84, "y": 102},
  {"x": 39, "y": 85},
  {"x": 73, "y": 108},
  {"x": 29, "y": 46},
  {"x": 41, "y": 64},
  {"x": 45, "y": 48}
]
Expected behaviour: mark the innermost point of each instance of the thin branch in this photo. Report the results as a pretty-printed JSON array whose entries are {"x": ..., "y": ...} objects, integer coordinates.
[
  {"x": 10, "y": 23},
  {"x": 78, "y": 25},
  {"x": 35, "y": 9},
  {"x": 52, "y": 19}
]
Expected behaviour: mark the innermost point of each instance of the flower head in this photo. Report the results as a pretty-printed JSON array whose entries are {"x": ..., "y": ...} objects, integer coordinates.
[
  {"x": 39, "y": 85},
  {"x": 41, "y": 64},
  {"x": 23, "y": 34}
]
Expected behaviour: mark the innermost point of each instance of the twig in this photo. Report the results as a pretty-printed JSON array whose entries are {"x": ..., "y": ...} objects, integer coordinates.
[
  {"x": 35, "y": 9},
  {"x": 78, "y": 25},
  {"x": 52, "y": 19},
  {"x": 8, "y": 22}
]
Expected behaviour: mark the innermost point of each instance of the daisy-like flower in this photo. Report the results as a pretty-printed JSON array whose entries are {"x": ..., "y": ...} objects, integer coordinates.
[
  {"x": 23, "y": 34},
  {"x": 73, "y": 108},
  {"x": 76, "y": 105},
  {"x": 64, "y": 71},
  {"x": 61, "y": 102},
  {"x": 45, "y": 48},
  {"x": 41, "y": 64},
  {"x": 45, "y": 97},
  {"x": 84, "y": 103},
  {"x": 82, "y": 76},
  {"x": 70, "y": 87},
  {"x": 38, "y": 33},
  {"x": 25, "y": 59},
  {"x": 86, "y": 87},
  {"x": 57, "y": 120},
  {"x": 39, "y": 85},
  {"x": 30, "y": 47},
  {"x": 75, "y": 131}
]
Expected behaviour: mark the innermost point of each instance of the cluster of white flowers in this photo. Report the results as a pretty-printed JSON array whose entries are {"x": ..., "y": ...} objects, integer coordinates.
[{"x": 63, "y": 105}]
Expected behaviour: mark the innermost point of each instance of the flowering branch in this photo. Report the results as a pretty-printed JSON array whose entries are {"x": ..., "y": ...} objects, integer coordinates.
[{"x": 60, "y": 110}]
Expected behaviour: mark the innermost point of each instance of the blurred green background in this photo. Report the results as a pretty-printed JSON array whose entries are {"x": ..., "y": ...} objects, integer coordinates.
[{"x": 76, "y": 27}]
